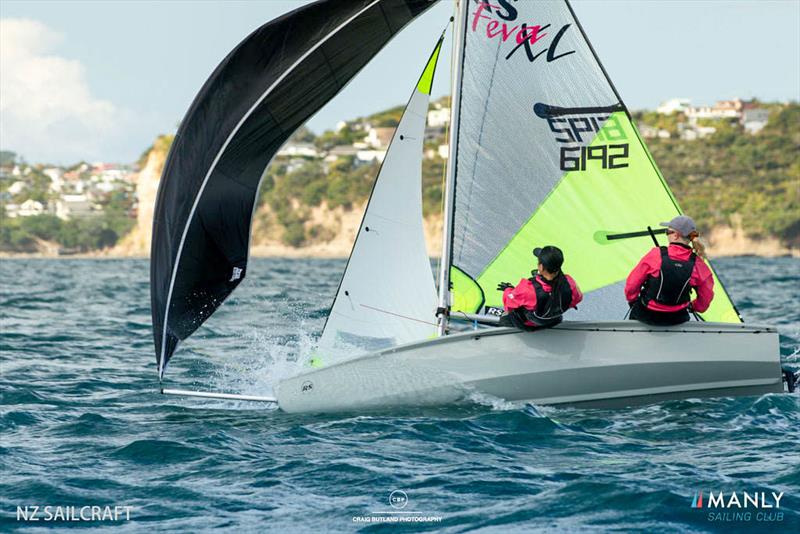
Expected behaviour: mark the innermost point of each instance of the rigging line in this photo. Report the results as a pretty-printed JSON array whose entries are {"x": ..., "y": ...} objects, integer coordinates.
[
  {"x": 162, "y": 362},
  {"x": 397, "y": 314}
]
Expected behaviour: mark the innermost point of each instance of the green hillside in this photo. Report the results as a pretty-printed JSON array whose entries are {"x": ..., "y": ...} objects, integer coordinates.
[
  {"x": 732, "y": 173},
  {"x": 727, "y": 178}
]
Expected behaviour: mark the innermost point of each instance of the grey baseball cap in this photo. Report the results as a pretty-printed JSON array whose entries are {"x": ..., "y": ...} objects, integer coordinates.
[{"x": 683, "y": 224}]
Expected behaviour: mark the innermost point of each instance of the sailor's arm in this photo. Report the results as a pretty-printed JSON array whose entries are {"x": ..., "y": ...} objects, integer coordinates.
[
  {"x": 633, "y": 285},
  {"x": 704, "y": 288},
  {"x": 577, "y": 296}
]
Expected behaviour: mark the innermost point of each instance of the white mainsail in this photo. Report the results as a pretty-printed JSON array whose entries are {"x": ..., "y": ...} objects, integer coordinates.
[{"x": 387, "y": 295}]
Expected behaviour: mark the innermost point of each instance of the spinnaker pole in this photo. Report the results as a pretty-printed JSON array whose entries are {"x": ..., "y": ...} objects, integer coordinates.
[{"x": 459, "y": 38}]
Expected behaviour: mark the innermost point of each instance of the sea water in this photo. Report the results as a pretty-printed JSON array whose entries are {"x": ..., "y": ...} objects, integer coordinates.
[{"x": 87, "y": 441}]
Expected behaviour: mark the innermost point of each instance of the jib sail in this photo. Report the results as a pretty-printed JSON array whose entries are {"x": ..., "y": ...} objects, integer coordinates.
[
  {"x": 387, "y": 295},
  {"x": 267, "y": 87}
]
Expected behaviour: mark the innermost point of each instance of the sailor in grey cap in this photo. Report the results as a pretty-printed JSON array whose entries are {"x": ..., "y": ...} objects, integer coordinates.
[{"x": 659, "y": 288}]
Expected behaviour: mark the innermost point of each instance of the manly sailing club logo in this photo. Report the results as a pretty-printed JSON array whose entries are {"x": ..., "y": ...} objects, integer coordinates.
[
  {"x": 579, "y": 130},
  {"x": 739, "y": 506},
  {"x": 497, "y": 19}
]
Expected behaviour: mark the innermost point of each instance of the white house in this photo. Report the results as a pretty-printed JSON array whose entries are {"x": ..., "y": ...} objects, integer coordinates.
[
  {"x": 17, "y": 187},
  {"x": 69, "y": 206},
  {"x": 438, "y": 117},
  {"x": 301, "y": 150},
  {"x": 754, "y": 119},
  {"x": 56, "y": 176},
  {"x": 341, "y": 151},
  {"x": 379, "y": 137},
  {"x": 30, "y": 207},
  {"x": 674, "y": 105},
  {"x": 724, "y": 109},
  {"x": 12, "y": 210},
  {"x": 369, "y": 156}
]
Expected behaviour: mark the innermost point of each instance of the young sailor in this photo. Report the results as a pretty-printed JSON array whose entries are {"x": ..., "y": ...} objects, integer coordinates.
[
  {"x": 540, "y": 301},
  {"x": 658, "y": 287}
]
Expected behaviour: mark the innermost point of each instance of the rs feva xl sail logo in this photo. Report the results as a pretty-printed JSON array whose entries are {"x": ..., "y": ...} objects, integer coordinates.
[
  {"x": 761, "y": 506},
  {"x": 499, "y": 20}
]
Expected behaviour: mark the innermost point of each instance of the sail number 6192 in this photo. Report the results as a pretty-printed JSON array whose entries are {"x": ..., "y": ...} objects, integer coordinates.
[{"x": 574, "y": 158}]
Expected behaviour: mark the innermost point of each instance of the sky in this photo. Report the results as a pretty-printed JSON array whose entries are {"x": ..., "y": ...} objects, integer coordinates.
[{"x": 98, "y": 81}]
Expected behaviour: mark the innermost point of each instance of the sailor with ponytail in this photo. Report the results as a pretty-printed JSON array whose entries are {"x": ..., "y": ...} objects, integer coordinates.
[
  {"x": 541, "y": 300},
  {"x": 659, "y": 288}
]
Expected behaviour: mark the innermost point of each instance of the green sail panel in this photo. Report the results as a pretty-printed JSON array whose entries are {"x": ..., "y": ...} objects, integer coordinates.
[
  {"x": 601, "y": 202},
  {"x": 547, "y": 154}
]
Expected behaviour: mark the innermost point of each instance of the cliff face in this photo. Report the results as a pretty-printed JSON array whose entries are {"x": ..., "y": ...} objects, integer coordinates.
[
  {"x": 137, "y": 242},
  {"x": 336, "y": 241},
  {"x": 732, "y": 241}
]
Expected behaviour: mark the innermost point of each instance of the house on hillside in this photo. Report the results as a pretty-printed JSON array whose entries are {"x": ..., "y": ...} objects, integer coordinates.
[
  {"x": 438, "y": 117},
  {"x": 56, "y": 176},
  {"x": 72, "y": 206},
  {"x": 369, "y": 156},
  {"x": 379, "y": 137},
  {"x": 298, "y": 150},
  {"x": 724, "y": 109},
  {"x": 754, "y": 119},
  {"x": 690, "y": 132},
  {"x": 649, "y": 132},
  {"x": 17, "y": 187},
  {"x": 341, "y": 151},
  {"x": 674, "y": 105},
  {"x": 11, "y": 210},
  {"x": 29, "y": 208}
]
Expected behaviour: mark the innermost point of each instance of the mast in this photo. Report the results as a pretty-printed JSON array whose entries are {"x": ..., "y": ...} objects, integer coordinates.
[{"x": 449, "y": 188}]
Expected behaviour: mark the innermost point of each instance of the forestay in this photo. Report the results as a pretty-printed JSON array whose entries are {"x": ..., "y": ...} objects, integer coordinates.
[
  {"x": 387, "y": 295},
  {"x": 546, "y": 153},
  {"x": 268, "y": 86}
]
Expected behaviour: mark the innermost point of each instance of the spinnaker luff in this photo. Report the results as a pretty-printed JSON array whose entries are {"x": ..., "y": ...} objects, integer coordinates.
[{"x": 267, "y": 87}]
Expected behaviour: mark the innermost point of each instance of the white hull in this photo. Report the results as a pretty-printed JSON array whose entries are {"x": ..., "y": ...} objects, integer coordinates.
[{"x": 598, "y": 364}]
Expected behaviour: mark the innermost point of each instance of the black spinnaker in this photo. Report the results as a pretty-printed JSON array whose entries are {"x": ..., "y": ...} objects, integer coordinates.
[{"x": 266, "y": 88}]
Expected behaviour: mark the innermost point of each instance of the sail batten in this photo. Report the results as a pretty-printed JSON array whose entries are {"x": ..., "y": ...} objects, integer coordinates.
[{"x": 260, "y": 93}]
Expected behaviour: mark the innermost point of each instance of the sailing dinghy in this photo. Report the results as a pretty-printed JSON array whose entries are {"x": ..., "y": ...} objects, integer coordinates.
[{"x": 542, "y": 150}]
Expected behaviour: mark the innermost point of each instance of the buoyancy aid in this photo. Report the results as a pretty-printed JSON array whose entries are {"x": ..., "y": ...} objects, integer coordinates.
[
  {"x": 550, "y": 305},
  {"x": 671, "y": 287}
]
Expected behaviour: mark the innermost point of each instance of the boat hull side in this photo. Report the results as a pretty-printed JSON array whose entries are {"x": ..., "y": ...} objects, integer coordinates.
[{"x": 585, "y": 364}]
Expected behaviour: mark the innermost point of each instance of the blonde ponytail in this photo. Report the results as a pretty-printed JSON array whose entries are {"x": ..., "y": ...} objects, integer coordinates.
[{"x": 697, "y": 245}]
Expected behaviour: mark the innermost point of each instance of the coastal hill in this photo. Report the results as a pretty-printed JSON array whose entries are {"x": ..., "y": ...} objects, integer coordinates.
[{"x": 738, "y": 177}]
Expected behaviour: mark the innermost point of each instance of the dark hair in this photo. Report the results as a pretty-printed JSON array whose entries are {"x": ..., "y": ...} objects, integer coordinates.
[{"x": 557, "y": 283}]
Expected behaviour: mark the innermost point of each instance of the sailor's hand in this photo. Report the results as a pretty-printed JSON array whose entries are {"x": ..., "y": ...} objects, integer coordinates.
[{"x": 502, "y": 286}]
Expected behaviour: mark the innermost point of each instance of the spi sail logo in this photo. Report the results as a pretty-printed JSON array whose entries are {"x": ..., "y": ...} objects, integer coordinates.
[
  {"x": 498, "y": 20},
  {"x": 588, "y": 136}
]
